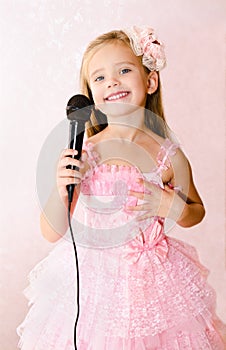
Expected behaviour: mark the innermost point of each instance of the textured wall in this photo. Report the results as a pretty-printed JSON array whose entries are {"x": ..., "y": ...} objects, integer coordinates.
[{"x": 41, "y": 46}]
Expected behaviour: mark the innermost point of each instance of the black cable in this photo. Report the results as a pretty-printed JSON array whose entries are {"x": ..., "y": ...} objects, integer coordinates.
[{"x": 77, "y": 270}]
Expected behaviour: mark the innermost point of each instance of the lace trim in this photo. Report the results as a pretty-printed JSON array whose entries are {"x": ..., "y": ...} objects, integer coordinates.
[
  {"x": 167, "y": 150},
  {"x": 93, "y": 156}
]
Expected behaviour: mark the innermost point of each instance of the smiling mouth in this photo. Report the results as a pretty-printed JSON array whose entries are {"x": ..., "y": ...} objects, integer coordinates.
[{"x": 117, "y": 96}]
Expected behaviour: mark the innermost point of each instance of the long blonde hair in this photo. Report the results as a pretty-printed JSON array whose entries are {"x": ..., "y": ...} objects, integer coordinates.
[{"x": 154, "y": 114}]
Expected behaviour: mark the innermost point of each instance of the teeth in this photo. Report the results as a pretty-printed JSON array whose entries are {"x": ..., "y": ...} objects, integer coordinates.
[{"x": 115, "y": 97}]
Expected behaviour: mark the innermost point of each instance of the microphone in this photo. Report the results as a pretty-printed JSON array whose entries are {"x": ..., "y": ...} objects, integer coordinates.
[{"x": 78, "y": 112}]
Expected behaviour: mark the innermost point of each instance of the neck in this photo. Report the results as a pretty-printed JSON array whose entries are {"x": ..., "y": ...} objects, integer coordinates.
[{"x": 126, "y": 126}]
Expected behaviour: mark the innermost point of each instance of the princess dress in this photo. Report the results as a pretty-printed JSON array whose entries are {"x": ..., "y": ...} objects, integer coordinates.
[{"x": 139, "y": 289}]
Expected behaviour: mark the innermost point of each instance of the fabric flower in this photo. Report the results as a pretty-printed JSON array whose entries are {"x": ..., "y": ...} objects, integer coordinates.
[{"x": 144, "y": 43}]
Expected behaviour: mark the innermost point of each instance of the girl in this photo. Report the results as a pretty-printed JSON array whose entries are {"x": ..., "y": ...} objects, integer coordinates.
[{"x": 140, "y": 289}]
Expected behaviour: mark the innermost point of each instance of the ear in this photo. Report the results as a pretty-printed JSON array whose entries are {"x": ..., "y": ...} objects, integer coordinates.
[{"x": 152, "y": 82}]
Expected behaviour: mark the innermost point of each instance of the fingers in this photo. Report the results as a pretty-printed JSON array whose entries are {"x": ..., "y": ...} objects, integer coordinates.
[
  {"x": 68, "y": 152},
  {"x": 140, "y": 207},
  {"x": 149, "y": 186},
  {"x": 67, "y": 175},
  {"x": 66, "y": 159},
  {"x": 148, "y": 211},
  {"x": 150, "y": 191},
  {"x": 151, "y": 195},
  {"x": 141, "y": 195},
  {"x": 145, "y": 216},
  {"x": 156, "y": 203}
]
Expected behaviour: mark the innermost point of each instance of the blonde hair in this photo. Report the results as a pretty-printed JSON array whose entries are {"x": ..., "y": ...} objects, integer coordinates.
[{"x": 154, "y": 114}]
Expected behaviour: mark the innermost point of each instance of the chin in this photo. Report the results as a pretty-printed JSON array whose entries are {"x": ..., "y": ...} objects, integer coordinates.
[{"x": 118, "y": 108}]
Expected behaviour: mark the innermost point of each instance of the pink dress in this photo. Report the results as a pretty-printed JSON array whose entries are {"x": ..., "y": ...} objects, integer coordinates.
[{"x": 139, "y": 288}]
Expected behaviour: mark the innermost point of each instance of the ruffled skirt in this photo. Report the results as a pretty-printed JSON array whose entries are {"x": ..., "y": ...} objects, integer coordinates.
[{"x": 141, "y": 303}]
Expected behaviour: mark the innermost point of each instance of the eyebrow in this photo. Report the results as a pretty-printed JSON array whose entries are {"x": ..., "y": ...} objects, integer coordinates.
[{"x": 117, "y": 64}]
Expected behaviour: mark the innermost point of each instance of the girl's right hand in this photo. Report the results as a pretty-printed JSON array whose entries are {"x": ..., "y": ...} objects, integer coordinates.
[{"x": 68, "y": 176}]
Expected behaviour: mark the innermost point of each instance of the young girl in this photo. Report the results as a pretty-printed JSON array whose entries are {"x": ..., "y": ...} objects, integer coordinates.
[{"x": 139, "y": 289}]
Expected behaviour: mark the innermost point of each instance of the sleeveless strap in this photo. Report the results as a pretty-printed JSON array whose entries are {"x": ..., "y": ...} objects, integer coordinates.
[
  {"x": 167, "y": 149},
  {"x": 93, "y": 156}
]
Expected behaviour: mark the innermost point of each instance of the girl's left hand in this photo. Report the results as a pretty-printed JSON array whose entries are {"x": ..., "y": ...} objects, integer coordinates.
[{"x": 158, "y": 201}]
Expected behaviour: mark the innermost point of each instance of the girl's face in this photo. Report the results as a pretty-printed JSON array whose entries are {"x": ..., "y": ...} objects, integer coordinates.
[{"x": 116, "y": 75}]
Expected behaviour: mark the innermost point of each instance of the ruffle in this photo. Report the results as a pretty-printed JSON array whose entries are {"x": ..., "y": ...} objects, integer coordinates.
[
  {"x": 152, "y": 304},
  {"x": 191, "y": 335},
  {"x": 49, "y": 324},
  {"x": 151, "y": 296},
  {"x": 92, "y": 182},
  {"x": 108, "y": 180},
  {"x": 133, "y": 296},
  {"x": 101, "y": 218}
]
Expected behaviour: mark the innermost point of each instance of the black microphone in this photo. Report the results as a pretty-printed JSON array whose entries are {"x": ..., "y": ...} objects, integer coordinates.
[{"x": 78, "y": 112}]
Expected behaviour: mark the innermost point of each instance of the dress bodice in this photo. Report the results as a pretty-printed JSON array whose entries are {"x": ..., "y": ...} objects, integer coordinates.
[
  {"x": 101, "y": 214},
  {"x": 100, "y": 179}
]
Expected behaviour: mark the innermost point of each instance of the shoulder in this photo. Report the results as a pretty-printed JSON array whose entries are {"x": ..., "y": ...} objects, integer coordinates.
[
  {"x": 165, "y": 149},
  {"x": 95, "y": 139},
  {"x": 180, "y": 170},
  {"x": 178, "y": 157},
  {"x": 173, "y": 162},
  {"x": 89, "y": 144}
]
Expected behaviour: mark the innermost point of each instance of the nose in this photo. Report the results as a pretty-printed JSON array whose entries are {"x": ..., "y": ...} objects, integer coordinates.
[{"x": 112, "y": 81}]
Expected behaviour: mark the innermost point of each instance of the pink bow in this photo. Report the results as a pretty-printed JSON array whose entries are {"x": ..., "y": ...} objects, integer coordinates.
[
  {"x": 168, "y": 149},
  {"x": 155, "y": 239}
]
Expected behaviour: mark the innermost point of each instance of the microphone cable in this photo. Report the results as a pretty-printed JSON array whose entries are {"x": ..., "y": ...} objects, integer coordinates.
[
  {"x": 78, "y": 112},
  {"x": 77, "y": 274}
]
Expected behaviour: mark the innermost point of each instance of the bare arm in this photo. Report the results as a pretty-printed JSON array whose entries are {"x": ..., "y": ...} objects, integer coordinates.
[
  {"x": 53, "y": 219},
  {"x": 188, "y": 208},
  {"x": 183, "y": 206}
]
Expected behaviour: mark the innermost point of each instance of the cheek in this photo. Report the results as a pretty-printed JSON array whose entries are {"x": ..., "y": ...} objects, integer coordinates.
[
  {"x": 96, "y": 93},
  {"x": 94, "y": 88},
  {"x": 96, "y": 96}
]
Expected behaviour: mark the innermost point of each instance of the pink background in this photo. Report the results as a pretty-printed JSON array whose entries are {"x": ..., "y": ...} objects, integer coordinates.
[{"x": 41, "y": 48}]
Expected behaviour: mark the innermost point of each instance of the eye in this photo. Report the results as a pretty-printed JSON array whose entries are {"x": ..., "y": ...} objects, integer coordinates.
[
  {"x": 101, "y": 77},
  {"x": 125, "y": 70}
]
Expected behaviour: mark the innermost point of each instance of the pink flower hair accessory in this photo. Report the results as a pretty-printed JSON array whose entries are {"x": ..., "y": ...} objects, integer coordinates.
[{"x": 144, "y": 43}]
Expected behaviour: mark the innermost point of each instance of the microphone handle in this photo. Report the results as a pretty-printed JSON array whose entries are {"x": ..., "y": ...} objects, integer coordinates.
[{"x": 76, "y": 135}]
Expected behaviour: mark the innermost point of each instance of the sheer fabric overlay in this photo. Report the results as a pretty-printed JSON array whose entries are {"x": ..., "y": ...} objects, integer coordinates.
[{"x": 149, "y": 293}]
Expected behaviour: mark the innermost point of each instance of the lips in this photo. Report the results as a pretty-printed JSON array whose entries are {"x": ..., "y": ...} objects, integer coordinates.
[{"x": 117, "y": 96}]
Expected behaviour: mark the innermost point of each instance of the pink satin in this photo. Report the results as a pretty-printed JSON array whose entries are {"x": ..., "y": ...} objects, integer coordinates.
[{"x": 156, "y": 240}]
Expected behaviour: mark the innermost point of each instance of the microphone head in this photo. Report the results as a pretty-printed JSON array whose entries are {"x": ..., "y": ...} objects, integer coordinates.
[{"x": 79, "y": 108}]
